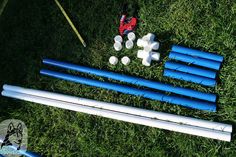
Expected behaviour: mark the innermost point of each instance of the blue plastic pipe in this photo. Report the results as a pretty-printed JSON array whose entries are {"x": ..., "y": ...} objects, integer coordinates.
[
  {"x": 196, "y": 61},
  {"x": 189, "y": 77},
  {"x": 197, "y": 53},
  {"x": 190, "y": 69},
  {"x": 134, "y": 80},
  {"x": 196, "y": 104}
]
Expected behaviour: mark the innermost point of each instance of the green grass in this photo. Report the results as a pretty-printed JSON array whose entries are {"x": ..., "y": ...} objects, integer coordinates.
[{"x": 32, "y": 30}]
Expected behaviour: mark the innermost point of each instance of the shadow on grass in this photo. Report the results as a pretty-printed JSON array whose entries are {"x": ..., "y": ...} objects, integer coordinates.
[
  {"x": 233, "y": 135},
  {"x": 34, "y": 30},
  {"x": 165, "y": 43}
]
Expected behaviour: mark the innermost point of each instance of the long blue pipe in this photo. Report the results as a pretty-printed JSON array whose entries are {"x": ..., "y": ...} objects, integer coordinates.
[
  {"x": 193, "y": 60},
  {"x": 189, "y": 77},
  {"x": 134, "y": 80},
  {"x": 134, "y": 91},
  {"x": 190, "y": 69},
  {"x": 197, "y": 53}
]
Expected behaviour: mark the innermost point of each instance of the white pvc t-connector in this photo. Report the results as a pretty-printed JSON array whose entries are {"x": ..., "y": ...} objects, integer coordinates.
[
  {"x": 148, "y": 56},
  {"x": 155, "y": 45},
  {"x": 142, "y": 54},
  {"x": 142, "y": 43},
  {"x": 147, "y": 48},
  {"x": 149, "y": 37}
]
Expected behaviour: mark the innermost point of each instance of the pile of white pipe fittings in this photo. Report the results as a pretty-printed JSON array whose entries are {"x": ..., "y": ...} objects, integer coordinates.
[
  {"x": 149, "y": 45},
  {"x": 129, "y": 44}
]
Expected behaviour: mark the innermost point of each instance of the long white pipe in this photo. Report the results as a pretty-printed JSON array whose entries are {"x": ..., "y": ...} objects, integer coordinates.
[
  {"x": 193, "y": 130},
  {"x": 124, "y": 109}
]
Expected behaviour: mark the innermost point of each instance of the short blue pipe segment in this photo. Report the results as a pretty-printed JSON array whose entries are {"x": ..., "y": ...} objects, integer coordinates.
[
  {"x": 197, "y": 104},
  {"x": 197, "y": 53},
  {"x": 134, "y": 80},
  {"x": 190, "y": 69},
  {"x": 189, "y": 77},
  {"x": 196, "y": 61}
]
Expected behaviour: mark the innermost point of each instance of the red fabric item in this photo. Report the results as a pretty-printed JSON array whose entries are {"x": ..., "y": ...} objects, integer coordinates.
[{"x": 127, "y": 25}]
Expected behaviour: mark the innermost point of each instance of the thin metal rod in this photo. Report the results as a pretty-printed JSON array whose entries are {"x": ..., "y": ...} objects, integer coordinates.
[
  {"x": 3, "y": 5},
  {"x": 71, "y": 24}
]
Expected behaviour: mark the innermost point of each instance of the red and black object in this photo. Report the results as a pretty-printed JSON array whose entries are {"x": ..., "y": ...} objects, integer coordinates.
[{"x": 128, "y": 21}]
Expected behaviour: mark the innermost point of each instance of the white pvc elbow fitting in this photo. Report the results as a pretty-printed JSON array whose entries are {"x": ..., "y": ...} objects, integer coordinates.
[{"x": 147, "y": 57}]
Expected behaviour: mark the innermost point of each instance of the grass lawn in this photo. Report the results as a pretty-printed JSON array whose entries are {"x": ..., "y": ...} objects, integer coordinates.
[{"x": 32, "y": 30}]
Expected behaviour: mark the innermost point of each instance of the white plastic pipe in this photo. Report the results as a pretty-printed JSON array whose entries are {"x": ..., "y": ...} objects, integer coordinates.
[
  {"x": 193, "y": 130},
  {"x": 121, "y": 108}
]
